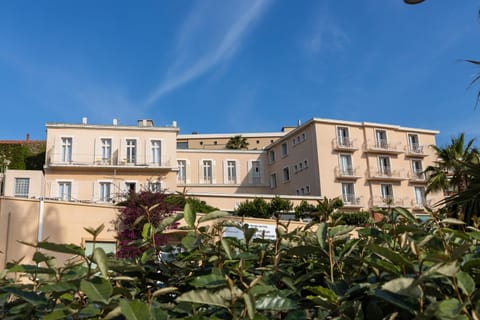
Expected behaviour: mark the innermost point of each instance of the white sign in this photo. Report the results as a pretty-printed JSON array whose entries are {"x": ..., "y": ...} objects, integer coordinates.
[{"x": 264, "y": 231}]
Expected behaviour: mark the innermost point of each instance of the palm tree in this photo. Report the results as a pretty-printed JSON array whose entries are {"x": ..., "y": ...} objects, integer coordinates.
[
  {"x": 450, "y": 171},
  {"x": 452, "y": 174},
  {"x": 237, "y": 143}
]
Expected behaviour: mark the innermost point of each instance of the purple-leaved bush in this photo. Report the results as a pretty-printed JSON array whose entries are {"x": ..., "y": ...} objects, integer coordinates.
[{"x": 133, "y": 209}]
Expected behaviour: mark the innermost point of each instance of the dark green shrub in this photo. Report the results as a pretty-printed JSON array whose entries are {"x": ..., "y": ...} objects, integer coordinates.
[
  {"x": 359, "y": 218},
  {"x": 304, "y": 210},
  {"x": 257, "y": 208}
]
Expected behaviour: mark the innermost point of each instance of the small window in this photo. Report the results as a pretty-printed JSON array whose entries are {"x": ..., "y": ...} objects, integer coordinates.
[
  {"x": 271, "y": 156},
  {"x": 273, "y": 181},
  {"x": 286, "y": 174},
  {"x": 154, "y": 186},
  {"x": 215, "y": 142},
  {"x": 305, "y": 163},
  {"x": 22, "y": 186},
  {"x": 304, "y": 136},
  {"x": 284, "y": 149},
  {"x": 295, "y": 168},
  {"x": 201, "y": 143},
  {"x": 258, "y": 141},
  {"x": 307, "y": 189},
  {"x": 182, "y": 145}
]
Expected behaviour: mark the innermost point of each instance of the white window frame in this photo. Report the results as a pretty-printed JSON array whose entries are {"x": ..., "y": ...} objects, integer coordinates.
[
  {"x": 345, "y": 168},
  {"x": 104, "y": 196},
  {"x": 386, "y": 190},
  {"x": 231, "y": 172},
  {"x": 22, "y": 187},
  {"x": 131, "y": 151},
  {"x": 379, "y": 142},
  {"x": 67, "y": 146},
  {"x": 156, "y": 151},
  {"x": 420, "y": 197},
  {"x": 182, "y": 171},
  {"x": 255, "y": 172},
  {"x": 61, "y": 190},
  {"x": 413, "y": 146},
  {"x": 384, "y": 169},
  {"x": 106, "y": 150},
  {"x": 206, "y": 171},
  {"x": 343, "y": 140},
  {"x": 271, "y": 156}
]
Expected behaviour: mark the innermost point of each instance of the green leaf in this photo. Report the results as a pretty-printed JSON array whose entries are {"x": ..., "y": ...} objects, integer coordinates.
[
  {"x": 213, "y": 215},
  {"x": 100, "y": 259},
  {"x": 275, "y": 303},
  {"x": 189, "y": 215},
  {"x": 95, "y": 232},
  {"x": 56, "y": 314},
  {"x": 61, "y": 248},
  {"x": 449, "y": 309},
  {"x": 97, "y": 289},
  {"x": 465, "y": 282},
  {"x": 203, "y": 296},
  {"x": 402, "y": 286},
  {"x": 212, "y": 280},
  {"x": 250, "y": 304},
  {"x": 28, "y": 296},
  {"x": 226, "y": 247},
  {"x": 322, "y": 234},
  {"x": 339, "y": 230},
  {"x": 189, "y": 241},
  {"x": 406, "y": 214},
  {"x": 390, "y": 255},
  {"x": 168, "y": 221},
  {"x": 58, "y": 287},
  {"x": 400, "y": 301},
  {"x": 452, "y": 221},
  {"x": 163, "y": 291},
  {"x": 135, "y": 310},
  {"x": 28, "y": 268},
  {"x": 146, "y": 231},
  {"x": 304, "y": 251},
  {"x": 323, "y": 293}
]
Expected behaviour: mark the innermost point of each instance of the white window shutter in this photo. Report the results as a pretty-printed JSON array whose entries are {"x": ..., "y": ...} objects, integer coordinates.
[
  {"x": 260, "y": 171},
  {"x": 249, "y": 172},
  {"x": 95, "y": 188},
  {"x": 237, "y": 167},
  {"x": 74, "y": 191},
  {"x": 214, "y": 168},
  {"x": 122, "y": 152},
  {"x": 187, "y": 172},
  {"x": 54, "y": 190},
  {"x": 225, "y": 171}
]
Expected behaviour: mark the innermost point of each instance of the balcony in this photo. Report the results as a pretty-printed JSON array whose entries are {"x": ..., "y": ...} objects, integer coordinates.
[
  {"x": 347, "y": 173},
  {"x": 344, "y": 144},
  {"x": 385, "y": 174},
  {"x": 386, "y": 201},
  {"x": 415, "y": 150},
  {"x": 421, "y": 204},
  {"x": 351, "y": 201},
  {"x": 417, "y": 177},
  {"x": 383, "y": 146},
  {"x": 85, "y": 161}
]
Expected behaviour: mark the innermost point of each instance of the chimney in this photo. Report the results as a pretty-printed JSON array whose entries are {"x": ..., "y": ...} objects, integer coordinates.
[
  {"x": 84, "y": 120},
  {"x": 145, "y": 123},
  {"x": 115, "y": 122},
  {"x": 28, "y": 137},
  {"x": 174, "y": 124}
]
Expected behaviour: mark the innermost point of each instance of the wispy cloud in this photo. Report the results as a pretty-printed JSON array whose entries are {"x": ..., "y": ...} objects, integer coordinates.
[
  {"x": 326, "y": 34},
  {"x": 209, "y": 37}
]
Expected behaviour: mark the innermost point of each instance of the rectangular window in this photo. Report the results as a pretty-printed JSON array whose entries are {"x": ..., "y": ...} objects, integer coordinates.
[
  {"x": 22, "y": 186},
  {"x": 420, "y": 196},
  {"x": 66, "y": 149},
  {"x": 105, "y": 191},
  {"x": 384, "y": 168},
  {"x": 346, "y": 167},
  {"x": 182, "y": 171},
  {"x": 106, "y": 145},
  {"x": 417, "y": 169},
  {"x": 271, "y": 156},
  {"x": 381, "y": 139},
  {"x": 231, "y": 171},
  {"x": 182, "y": 145},
  {"x": 286, "y": 174},
  {"x": 387, "y": 192},
  {"x": 131, "y": 151},
  {"x": 343, "y": 137},
  {"x": 131, "y": 187},
  {"x": 273, "y": 180},
  {"x": 156, "y": 151},
  {"x": 207, "y": 171},
  {"x": 414, "y": 144},
  {"x": 284, "y": 149},
  {"x": 307, "y": 189},
  {"x": 348, "y": 193},
  {"x": 255, "y": 172},
  {"x": 154, "y": 186},
  {"x": 65, "y": 191}
]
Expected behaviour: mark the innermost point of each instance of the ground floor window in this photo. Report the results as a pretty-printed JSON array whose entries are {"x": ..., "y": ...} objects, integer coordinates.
[{"x": 22, "y": 186}]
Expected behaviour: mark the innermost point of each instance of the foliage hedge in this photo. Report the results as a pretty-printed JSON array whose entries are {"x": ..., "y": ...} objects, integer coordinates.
[
  {"x": 358, "y": 218},
  {"x": 400, "y": 268},
  {"x": 24, "y": 156}
]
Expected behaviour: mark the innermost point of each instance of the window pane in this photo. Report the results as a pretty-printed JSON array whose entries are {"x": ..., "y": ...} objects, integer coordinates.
[{"x": 22, "y": 186}]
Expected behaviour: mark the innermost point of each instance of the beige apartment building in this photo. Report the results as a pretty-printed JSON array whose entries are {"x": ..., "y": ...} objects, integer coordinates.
[{"x": 366, "y": 164}]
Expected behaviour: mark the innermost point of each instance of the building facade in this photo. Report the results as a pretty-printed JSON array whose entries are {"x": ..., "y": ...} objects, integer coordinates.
[{"x": 367, "y": 165}]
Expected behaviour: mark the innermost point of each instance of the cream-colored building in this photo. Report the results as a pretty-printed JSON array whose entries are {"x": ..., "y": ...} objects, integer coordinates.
[{"x": 366, "y": 164}]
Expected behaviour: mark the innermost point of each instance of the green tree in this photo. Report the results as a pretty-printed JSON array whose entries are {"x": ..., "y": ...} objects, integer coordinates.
[
  {"x": 237, "y": 143},
  {"x": 257, "y": 208},
  {"x": 280, "y": 205},
  {"x": 450, "y": 170}
]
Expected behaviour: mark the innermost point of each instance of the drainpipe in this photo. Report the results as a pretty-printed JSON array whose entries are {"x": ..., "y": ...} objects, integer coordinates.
[{"x": 40, "y": 219}]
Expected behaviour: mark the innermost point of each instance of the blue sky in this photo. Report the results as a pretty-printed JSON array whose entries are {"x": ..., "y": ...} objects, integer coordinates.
[{"x": 238, "y": 66}]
